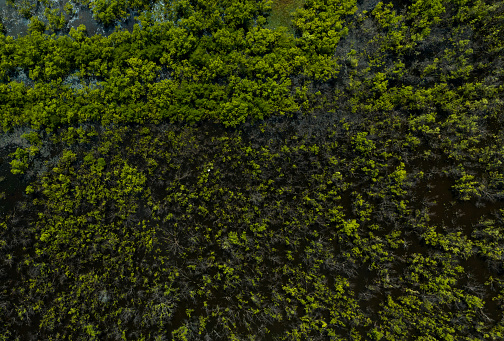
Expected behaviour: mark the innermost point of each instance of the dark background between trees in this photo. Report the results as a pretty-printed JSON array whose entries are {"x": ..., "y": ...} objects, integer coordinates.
[{"x": 251, "y": 170}]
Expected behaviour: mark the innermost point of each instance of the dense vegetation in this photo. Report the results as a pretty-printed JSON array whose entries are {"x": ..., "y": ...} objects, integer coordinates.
[{"x": 213, "y": 175}]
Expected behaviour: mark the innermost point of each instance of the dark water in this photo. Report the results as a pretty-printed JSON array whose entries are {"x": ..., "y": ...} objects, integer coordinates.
[
  {"x": 435, "y": 191},
  {"x": 11, "y": 185}
]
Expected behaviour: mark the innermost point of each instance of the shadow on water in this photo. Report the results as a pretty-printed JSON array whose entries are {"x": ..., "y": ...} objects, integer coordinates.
[
  {"x": 449, "y": 214},
  {"x": 476, "y": 276},
  {"x": 11, "y": 185},
  {"x": 434, "y": 194}
]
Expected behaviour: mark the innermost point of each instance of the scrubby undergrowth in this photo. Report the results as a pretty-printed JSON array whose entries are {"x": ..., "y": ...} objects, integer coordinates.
[{"x": 342, "y": 182}]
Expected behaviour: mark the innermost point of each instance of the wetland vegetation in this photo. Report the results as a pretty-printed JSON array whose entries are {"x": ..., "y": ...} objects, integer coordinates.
[{"x": 252, "y": 170}]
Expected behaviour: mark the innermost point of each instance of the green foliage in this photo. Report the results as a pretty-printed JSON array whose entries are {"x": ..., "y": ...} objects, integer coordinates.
[
  {"x": 210, "y": 175},
  {"x": 320, "y": 25},
  {"x": 56, "y": 18},
  {"x": 279, "y": 14},
  {"x": 36, "y": 25},
  {"x": 362, "y": 144},
  {"x": 21, "y": 157},
  {"x": 466, "y": 188}
]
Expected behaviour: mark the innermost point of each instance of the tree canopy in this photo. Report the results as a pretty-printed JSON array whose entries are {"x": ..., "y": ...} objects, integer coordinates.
[{"x": 211, "y": 173}]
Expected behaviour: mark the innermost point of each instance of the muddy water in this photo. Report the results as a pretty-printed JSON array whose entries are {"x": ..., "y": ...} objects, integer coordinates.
[
  {"x": 444, "y": 210},
  {"x": 14, "y": 24},
  {"x": 84, "y": 16},
  {"x": 12, "y": 186},
  {"x": 18, "y": 26}
]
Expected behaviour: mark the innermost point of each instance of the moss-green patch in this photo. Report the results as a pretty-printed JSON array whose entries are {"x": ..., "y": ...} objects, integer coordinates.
[{"x": 280, "y": 13}]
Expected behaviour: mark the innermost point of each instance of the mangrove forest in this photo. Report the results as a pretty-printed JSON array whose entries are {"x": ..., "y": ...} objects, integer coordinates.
[{"x": 252, "y": 170}]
